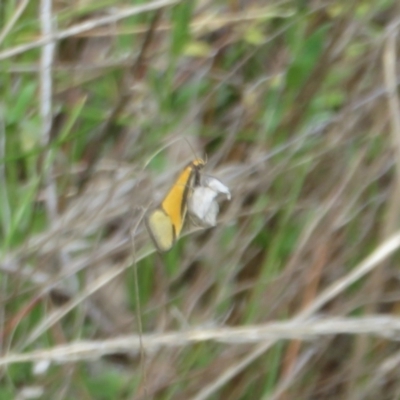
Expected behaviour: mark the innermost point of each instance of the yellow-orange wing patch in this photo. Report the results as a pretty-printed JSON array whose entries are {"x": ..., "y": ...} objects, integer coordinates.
[{"x": 165, "y": 223}]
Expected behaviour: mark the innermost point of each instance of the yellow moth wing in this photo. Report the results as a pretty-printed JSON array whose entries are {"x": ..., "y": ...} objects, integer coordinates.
[
  {"x": 174, "y": 203},
  {"x": 165, "y": 223},
  {"x": 161, "y": 229}
]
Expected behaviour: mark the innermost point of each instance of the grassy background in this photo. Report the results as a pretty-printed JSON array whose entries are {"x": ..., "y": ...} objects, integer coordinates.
[{"x": 295, "y": 106}]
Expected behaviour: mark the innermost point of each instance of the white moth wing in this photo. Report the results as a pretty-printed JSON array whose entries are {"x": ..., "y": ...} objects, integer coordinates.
[{"x": 202, "y": 204}]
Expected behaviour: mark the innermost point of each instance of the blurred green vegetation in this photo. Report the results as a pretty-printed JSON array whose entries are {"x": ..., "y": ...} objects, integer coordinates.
[{"x": 287, "y": 100}]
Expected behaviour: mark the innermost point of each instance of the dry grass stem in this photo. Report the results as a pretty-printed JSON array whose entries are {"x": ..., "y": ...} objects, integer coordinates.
[
  {"x": 380, "y": 326},
  {"x": 86, "y": 26}
]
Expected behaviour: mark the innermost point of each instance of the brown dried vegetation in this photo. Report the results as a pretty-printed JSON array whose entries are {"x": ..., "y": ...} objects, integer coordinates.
[{"x": 296, "y": 107}]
